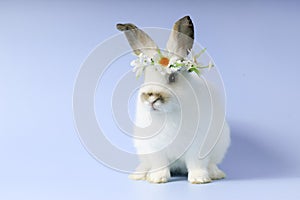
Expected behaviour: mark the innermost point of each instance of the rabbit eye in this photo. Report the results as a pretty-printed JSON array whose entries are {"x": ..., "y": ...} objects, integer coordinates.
[{"x": 172, "y": 77}]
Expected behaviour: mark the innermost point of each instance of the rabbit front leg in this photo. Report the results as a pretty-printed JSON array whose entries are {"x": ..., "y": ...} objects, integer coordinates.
[
  {"x": 160, "y": 171},
  {"x": 142, "y": 169},
  {"x": 198, "y": 170}
]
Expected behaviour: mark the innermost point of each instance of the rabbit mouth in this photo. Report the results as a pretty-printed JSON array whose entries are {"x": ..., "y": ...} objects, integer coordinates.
[
  {"x": 153, "y": 108},
  {"x": 153, "y": 103}
]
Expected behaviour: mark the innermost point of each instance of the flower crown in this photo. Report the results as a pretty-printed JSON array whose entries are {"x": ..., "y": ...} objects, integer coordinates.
[{"x": 167, "y": 63}]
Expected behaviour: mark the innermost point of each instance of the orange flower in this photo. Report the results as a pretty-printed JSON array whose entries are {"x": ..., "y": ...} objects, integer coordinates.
[{"x": 164, "y": 61}]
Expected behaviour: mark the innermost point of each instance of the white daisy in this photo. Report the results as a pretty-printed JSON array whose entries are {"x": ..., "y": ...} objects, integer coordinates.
[{"x": 167, "y": 63}]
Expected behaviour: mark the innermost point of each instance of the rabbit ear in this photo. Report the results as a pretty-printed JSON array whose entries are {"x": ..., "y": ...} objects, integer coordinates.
[
  {"x": 182, "y": 37},
  {"x": 139, "y": 41}
]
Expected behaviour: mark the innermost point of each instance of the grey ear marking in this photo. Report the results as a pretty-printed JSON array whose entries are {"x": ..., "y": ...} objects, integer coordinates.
[
  {"x": 182, "y": 37},
  {"x": 139, "y": 41},
  {"x": 125, "y": 27},
  {"x": 185, "y": 26}
]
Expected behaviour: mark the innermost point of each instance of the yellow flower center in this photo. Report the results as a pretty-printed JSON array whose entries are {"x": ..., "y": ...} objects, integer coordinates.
[{"x": 164, "y": 61}]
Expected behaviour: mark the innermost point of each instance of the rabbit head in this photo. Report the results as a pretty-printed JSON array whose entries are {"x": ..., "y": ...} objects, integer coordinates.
[{"x": 159, "y": 91}]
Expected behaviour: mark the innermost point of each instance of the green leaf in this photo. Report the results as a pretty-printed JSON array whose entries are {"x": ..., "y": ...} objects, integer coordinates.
[
  {"x": 176, "y": 65},
  {"x": 194, "y": 69},
  {"x": 179, "y": 64},
  {"x": 159, "y": 52}
]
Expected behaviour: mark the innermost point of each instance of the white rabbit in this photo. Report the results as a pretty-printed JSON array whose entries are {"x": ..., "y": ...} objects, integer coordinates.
[{"x": 169, "y": 107}]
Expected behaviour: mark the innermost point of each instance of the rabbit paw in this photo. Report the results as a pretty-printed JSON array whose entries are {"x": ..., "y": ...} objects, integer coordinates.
[
  {"x": 161, "y": 176},
  {"x": 198, "y": 177},
  {"x": 138, "y": 176}
]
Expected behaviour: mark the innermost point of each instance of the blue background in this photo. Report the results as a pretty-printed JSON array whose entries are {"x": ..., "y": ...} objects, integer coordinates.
[{"x": 255, "y": 45}]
